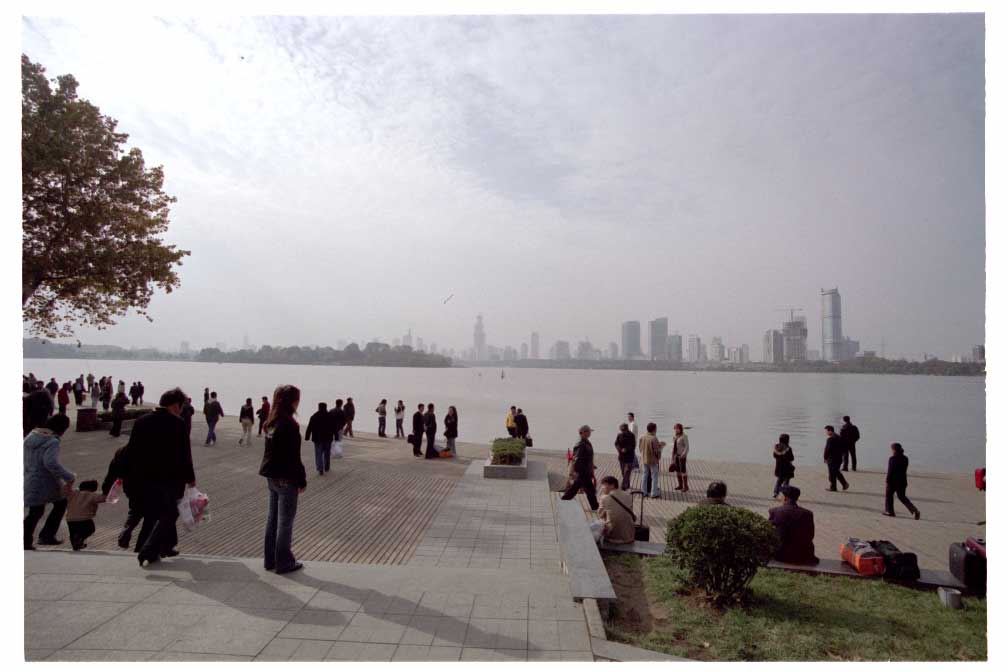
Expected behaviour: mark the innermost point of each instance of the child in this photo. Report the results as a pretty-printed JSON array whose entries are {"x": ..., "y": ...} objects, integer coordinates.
[{"x": 82, "y": 505}]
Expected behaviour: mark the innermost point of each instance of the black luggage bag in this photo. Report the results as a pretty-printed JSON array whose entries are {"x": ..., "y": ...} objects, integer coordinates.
[
  {"x": 969, "y": 567},
  {"x": 899, "y": 566},
  {"x": 641, "y": 532}
]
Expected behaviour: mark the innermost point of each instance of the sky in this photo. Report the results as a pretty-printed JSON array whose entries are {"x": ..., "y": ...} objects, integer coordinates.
[{"x": 339, "y": 177}]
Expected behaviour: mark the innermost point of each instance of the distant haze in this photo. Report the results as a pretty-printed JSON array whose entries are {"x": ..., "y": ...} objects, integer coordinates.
[{"x": 340, "y": 178}]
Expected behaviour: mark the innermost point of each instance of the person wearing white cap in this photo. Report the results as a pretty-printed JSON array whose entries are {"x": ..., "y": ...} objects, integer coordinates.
[{"x": 582, "y": 469}]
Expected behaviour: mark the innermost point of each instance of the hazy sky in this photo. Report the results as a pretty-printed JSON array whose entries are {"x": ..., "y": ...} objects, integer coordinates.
[{"x": 339, "y": 178}]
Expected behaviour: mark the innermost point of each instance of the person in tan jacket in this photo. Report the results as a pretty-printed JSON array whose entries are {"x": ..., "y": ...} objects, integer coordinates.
[
  {"x": 82, "y": 505},
  {"x": 650, "y": 457},
  {"x": 680, "y": 448},
  {"x": 615, "y": 510}
]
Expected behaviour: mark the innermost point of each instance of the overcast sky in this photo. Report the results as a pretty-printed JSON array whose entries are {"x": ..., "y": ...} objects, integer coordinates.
[{"x": 340, "y": 178}]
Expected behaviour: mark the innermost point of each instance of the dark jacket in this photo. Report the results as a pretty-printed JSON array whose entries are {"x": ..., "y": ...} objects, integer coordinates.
[
  {"x": 119, "y": 405},
  {"x": 246, "y": 412},
  {"x": 521, "y": 425},
  {"x": 263, "y": 412},
  {"x": 320, "y": 429},
  {"x": 625, "y": 446},
  {"x": 796, "y": 528},
  {"x": 834, "y": 450},
  {"x": 451, "y": 426},
  {"x": 783, "y": 462},
  {"x": 282, "y": 454},
  {"x": 40, "y": 407},
  {"x": 430, "y": 423},
  {"x": 117, "y": 469},
  {"x": 349, "y": 411},
  {"x": 584, "y": 458},
  {"x": 337, "y": 420},
  {"x": 418, "y": 423},
  {"x": 850, "y": 434},
  {"x": 896, "y": 474},
  {"x": 158, "y": 455},
  {"x": 187, "y": 412},
  {"x": 212, "y": 410}
]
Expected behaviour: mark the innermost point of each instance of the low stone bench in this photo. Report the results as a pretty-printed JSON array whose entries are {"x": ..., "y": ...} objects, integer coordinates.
[
  {"x": 648, "y": 548},
  {"x": 582, "y": 560}
]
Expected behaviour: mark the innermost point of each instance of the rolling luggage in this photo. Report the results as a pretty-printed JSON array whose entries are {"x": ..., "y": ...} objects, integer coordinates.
[
  {"x": 978, "y": 545},
  {"x": 899, "y": 566},
  {"x": 969, "y": 567},
  {"x": 861, "y": 556},
  {"x": 641, "y": 532},
  {"x": 980, "y": 478}
]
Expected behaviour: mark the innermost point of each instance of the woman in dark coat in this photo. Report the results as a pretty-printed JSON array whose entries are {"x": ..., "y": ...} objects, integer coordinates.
[
  {"x": 285, "y": 478},
  {"x": 119, "y": 405},
  {"x": 896, "y": 482},
  {"x": 783, "y": 463},
  {"x": 451, "y": 429},
  {"x": 430, "y": 428}
]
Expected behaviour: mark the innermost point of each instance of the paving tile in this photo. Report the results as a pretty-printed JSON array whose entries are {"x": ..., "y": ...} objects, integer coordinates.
[
  {"x": 309, "y": 650},
  {"x": 451, "y": 632},
  {"x": 474, "y": 654},
  {"x": 543, "y": 635},
  {"x": 353, "y": 651},
  {"x": 573, "y": 635},
  {"x": 421, "y": 630},
  {"x": 37, "y": 654},
  {"x": 110, "y": 592},
  {"x": 57, "y": 624},
  {"x": 491, "y": 606},
  {"x": 209, "y": 593},
  {"x": 557, "y": 656},
  {"x": 344, "y": 598},
  {"x": 106, "y": 655},
  {"x": 49, "y": 588},
  {"x": 316, "y": 624},
  {"x": 191, "y": 657},
  {"x": 257, "y": 595}
]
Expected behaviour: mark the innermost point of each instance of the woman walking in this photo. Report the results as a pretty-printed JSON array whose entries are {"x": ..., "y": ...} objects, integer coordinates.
[
  {"x": 896, "y": 482},
  {"x": 63, "y": 398},
  {"x": 783, "y": 463},
  {"x": 246, "y": 416},
  {"x": 42, "y": 475},
  {"x": 451, "y": 429},
  {"x": 285, "y": 479},
  {"x": 680, "y": 448},
  {"x": 119, "y": 405},
  {"x": 382, "y": 412},
  {"x": 400, "y": 415}
]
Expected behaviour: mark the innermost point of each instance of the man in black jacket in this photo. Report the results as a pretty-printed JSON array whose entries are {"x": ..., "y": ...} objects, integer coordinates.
[
  {"x": 521, "y": 424},
  {"x": 430, "y": 427},
  {"x": 625, "y": 450},
  {"x": 418, "y": 430},
  {"x": 833, "y": 457},
  {"x": 796, "y": 528},
  {"x": 850, "y": 434},
  {"x": 582, "y": 469},
  {"x": 896, "y": 482},
  {"x": 349, "y": 412},
  {"x": 159, "y": 466},
  {"x": 118, "y": 469},
  {"x": 337, "y": 419},
  {"x": 320, "y": 432}
]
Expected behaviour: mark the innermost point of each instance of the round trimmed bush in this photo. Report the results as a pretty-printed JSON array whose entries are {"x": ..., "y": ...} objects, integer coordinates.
[{"x": 720, "y": 547}]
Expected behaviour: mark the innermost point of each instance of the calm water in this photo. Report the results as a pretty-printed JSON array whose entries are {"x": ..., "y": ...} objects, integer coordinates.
[{"x": 734, "y": 416}]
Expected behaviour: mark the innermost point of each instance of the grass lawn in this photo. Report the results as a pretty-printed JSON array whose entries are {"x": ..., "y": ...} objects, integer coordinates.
[{"x": 791, "y": 616}]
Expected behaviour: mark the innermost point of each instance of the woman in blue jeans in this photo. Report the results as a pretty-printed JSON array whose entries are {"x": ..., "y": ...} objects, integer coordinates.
[{"x": 285, "y": 478}]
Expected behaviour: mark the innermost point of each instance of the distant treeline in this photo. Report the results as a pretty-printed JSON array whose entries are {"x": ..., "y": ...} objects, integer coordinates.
[
  {"x": 932, "y": 367},
  {"x": 373, "y": 354}
]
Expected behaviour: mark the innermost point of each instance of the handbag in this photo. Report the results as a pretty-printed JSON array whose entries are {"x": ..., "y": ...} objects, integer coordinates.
[
  {"x": 528, "y": 441},
  {"x": 674, "y": 464}
]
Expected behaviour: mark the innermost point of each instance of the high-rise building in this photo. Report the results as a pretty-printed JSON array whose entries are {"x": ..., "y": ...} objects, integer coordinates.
[
  {"x": 674, "y": 348},
  {"x": 832, "y": 329},
  {"x": 534, "y": 345},
  {"x": 524, "y": 350},
  {"x": 795, "y": 339},
  {"x": 694, "y": 347},
  {"x": 979, "y": 353},
  {"x": 509, "y": 354},
  {"x": 631, "y": 340},
  {"x": 479, "y": 339},
  {"x": 613, "y": 350},
  {"x": 849, "y": 349},
  {"x": 658, "y": 338},
  {"x": 813, "y": 356},
  {"x": 744, "y": 353},
  {"x": 184, "y": 348},
  {"x": 717, "y": 349},
  {"x": 585, "y": 350},
  {"x": 561, "y": 350},
  {"x": 408, "y": 339},
  {"x": 773, "y": 347}
]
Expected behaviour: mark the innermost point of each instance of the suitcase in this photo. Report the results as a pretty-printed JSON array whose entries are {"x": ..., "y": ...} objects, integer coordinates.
[
  {"x": 641, "y": 532},
  {"x": 980, "y": 477},
  {"x": 899, "y": 566},
  {"x": 978, "y": 545},
  {"x": 969, "y": 567},
  {"x": 862, "y": 557}
]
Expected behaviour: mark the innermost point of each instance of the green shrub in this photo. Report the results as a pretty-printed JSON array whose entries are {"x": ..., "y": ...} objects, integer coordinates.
[
  {"x": 720, "y": 547},
  {"x": 507, "y": 451}
]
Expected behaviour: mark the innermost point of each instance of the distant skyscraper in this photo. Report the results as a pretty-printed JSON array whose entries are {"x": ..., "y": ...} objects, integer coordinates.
[
  {"x": 795, "y": 339},
  {"x": 613, "y": 350},
  {"x": 184, "y": 348},
  {"x": 534, "y": 345},
  {"x": 744, "y": 353},
  {"x": 979, "y": 353},
  {"x": 849, "y": 349},
  {"x": 717, "y": 349},
  {"x": 419, "y": 344},
  {"x": 773, "y": 347},
  {"x": 832, "y": 330},
  {"x": 396, "y": 341},
  {"x": 408, "y": 339},
  {"x": 245, "y": 342},
  {"x": 694, "y": 347},
  {"x": 658, "y": 338},
  {"x": 585, "y": 350},
  {"x": 524, "y": 350},
  {"x": 814, "y": 356},
  {"x": 631, "y": 340},
  {"x": 479, "y": 339},
  {"x": 674, "y": 347},
  {"x": 561, "y": 350}
]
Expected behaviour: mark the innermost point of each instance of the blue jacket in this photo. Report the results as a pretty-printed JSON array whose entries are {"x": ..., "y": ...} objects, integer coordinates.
[{"x": 42, "y": 468}]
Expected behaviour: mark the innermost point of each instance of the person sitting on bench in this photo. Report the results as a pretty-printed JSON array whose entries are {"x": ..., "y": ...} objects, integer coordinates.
[
  {"x": 616, "y": 511},
  {"x": 716, "y": 493},
  {"x": 796, "y": 529}
]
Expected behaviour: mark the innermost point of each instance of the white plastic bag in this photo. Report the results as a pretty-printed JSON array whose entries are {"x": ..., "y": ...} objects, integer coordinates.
[
  {"x": 192, "y": 508},
  {"x": 337, "y": 450},
  {"x": 115, "y": 492},
  {"x": 596, "y": 527}
]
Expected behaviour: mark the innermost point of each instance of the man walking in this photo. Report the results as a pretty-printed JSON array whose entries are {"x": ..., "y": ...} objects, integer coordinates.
[
  {"x": 833, "y": 455},
  {"x": 263, "y": 414},
  {"x": 349, "y": 412},
  {"x": 581, "y": 470},
  {"x": 213, "y": 412},
  {"x": 320, "y": 432},
  {"x": 650, "y": 455},
  {"x": 521, "y": 424},
  {"x": 337, "y": 420},
  {"x": 418, "y": 430},
  {"x": 850, "y": 435},
  {"x": 159, "y": 464},
  {"x": 625, "y": 450}
]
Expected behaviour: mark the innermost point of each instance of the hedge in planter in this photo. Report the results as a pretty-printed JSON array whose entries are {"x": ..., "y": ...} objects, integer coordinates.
[
  {"x": 507, "y": 451},
  {"x": 721, "y": 547}
]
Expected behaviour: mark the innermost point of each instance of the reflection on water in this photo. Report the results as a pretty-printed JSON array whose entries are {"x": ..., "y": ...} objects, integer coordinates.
[{"x": 733, "y": 416}]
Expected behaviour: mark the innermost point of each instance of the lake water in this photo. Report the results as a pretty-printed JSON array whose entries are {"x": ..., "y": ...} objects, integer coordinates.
[{"x": 734, "y": 416}]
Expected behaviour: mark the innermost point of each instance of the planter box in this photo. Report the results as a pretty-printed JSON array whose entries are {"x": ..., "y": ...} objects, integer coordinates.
[{"x": 514, "y": 471}]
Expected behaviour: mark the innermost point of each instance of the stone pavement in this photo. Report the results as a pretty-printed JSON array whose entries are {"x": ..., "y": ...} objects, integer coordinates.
[{"x": 950, "y": 505}]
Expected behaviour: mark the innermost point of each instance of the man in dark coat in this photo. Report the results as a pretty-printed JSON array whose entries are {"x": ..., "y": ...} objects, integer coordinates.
[
  {"x": 159, "y": 461},
  {"x": 53, "y": 387},
  {"x": 40, "y": 407},
  {"x": 896, "y": 482},
  {"x": 418, "y": 430},
  {"x": 320, "y": 432},
  {"x": 796, "y": 528},
  {"x": 582, "y": 469},
  {"x": 337, "y": 420},
  {"x": 349, "y": 411},
  {"x": 625, "y": 444},
  {"x": 430, "y": 427},
  {"x": 833, "y": 455},
  {"x": 850, "y": 434},
  {"x": 521, "y": 424},
  {"x": 118, "y": 468}
]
